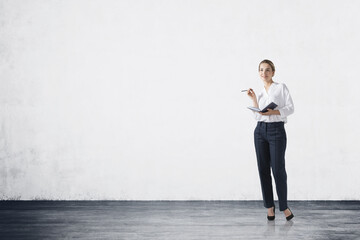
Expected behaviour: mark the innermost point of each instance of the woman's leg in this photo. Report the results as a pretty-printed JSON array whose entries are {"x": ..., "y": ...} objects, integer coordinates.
[
  {"x": 263, "y": 162},
  {"x": 277, "y": 141}
]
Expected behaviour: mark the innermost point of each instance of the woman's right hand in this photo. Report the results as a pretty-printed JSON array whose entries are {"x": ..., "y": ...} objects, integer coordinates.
[{"x": 251, "y": 94}]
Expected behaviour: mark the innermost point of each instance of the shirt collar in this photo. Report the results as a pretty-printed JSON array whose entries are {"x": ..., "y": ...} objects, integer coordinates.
[{"x": 271, "y": 86}]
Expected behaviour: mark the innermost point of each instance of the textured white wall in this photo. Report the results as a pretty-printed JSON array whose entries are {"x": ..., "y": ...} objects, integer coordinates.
[{"x": 140, "y": 99}]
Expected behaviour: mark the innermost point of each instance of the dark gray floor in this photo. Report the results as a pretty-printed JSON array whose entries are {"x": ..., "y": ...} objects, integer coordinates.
[{"x": 176, "y": 220}]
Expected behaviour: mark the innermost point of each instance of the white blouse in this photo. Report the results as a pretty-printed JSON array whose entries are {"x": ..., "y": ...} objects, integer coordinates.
[{"x": 279, "y": 94}]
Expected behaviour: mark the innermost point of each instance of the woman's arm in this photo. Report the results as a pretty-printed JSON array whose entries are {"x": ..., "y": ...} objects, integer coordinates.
[
  {"x": 289, "y": 105},
  {"x": 270, "y": 112},
  {"x": 253, "y": 97}
]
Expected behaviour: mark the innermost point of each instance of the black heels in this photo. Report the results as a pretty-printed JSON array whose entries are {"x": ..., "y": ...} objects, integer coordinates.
[
  {"x": 271, "y": 218},
  {"x": 290, "y": 216}
]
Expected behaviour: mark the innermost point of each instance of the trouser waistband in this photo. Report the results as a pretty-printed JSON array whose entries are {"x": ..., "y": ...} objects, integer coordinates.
[{"x": 270, "y": 124}]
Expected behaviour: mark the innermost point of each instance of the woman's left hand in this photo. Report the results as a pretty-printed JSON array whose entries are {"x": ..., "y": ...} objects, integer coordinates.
[{"x": 270, "y": 112}]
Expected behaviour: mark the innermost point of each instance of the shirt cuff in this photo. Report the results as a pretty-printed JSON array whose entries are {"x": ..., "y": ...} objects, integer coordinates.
[{"x": 282, "y": 113}]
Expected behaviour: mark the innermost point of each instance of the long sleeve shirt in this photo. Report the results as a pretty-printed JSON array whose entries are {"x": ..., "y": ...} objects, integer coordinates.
[{"x": 279, "y": 94}]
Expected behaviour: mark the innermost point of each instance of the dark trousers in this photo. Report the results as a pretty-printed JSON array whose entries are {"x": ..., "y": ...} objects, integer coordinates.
[{"x": 270, "y": 145}]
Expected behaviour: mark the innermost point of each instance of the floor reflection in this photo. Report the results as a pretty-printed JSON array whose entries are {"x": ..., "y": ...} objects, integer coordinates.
[
  {"x": 285, "y": 228},
  {"x": 273, "y": 228}
]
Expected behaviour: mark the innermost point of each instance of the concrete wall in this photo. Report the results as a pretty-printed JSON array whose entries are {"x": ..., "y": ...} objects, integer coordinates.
[{"x": 141, "y": 99}]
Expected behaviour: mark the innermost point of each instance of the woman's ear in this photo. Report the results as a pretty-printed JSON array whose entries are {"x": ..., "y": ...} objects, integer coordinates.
[{"x": 273, "y": 73}]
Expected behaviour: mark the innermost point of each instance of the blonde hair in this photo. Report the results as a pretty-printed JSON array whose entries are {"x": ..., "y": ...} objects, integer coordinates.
[{"x": 268, "y": 62}]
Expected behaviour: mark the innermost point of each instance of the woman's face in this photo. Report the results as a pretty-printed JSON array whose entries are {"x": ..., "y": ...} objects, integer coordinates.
[{"x": 265, "y": 72}]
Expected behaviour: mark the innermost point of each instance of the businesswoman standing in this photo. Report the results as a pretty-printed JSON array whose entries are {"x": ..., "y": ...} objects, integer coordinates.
[{"x": 270, "y": 138}]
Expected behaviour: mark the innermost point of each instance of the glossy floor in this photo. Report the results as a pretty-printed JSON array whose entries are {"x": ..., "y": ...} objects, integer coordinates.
[{"x": 176, "y": 220}]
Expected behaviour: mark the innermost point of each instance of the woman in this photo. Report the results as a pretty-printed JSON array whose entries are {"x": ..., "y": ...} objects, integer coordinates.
[{"x": 270, "y": 138}]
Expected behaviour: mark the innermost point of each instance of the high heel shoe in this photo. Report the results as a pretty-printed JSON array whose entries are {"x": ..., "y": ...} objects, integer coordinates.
[
  {"x": 290, "y": 216},
  {"x": 271, "y": 218}
]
